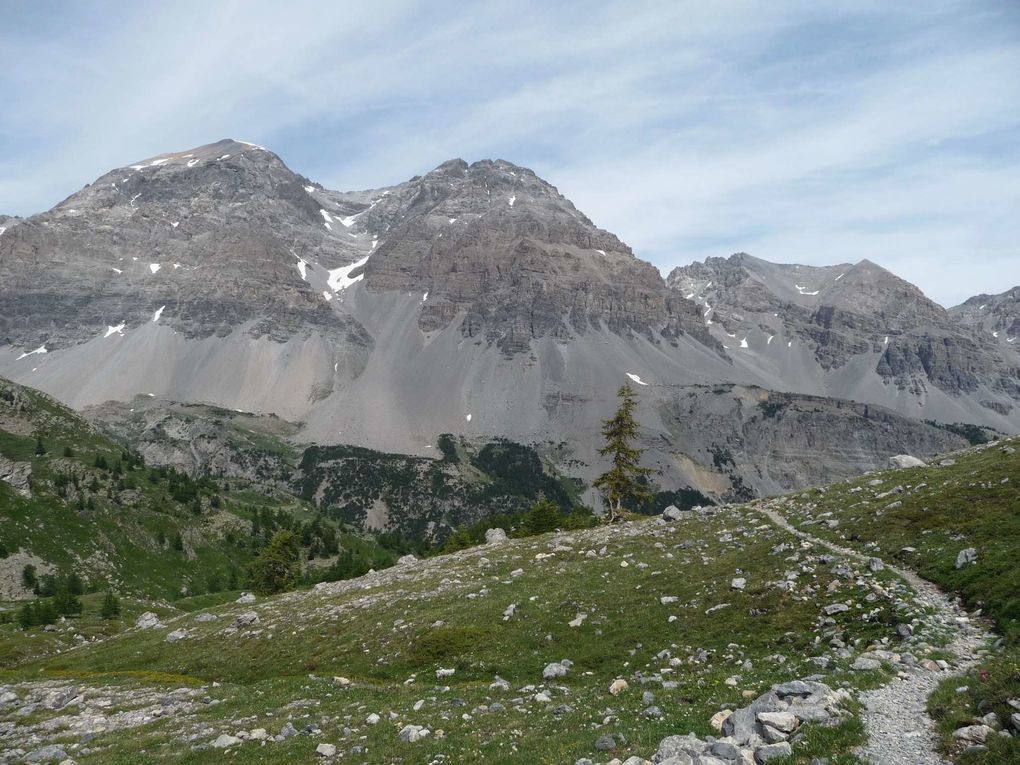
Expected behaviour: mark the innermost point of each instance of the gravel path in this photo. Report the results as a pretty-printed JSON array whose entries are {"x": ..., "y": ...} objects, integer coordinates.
[{"x": 900, "y": 732}]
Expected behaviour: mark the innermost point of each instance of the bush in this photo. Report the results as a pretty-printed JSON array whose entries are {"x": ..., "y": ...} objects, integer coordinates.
[{"x": 111, "y": 606}]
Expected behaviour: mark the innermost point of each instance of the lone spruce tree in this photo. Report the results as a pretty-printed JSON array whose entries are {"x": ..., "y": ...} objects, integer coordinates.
[{"x": 620, "y": 483}]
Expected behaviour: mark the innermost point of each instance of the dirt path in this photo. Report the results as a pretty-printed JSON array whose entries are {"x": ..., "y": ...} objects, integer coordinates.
[{"x": 900, "y": 732}]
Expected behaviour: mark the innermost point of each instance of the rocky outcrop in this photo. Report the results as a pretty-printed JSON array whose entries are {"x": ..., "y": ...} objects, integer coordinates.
[{"x": 18, "y": 475}]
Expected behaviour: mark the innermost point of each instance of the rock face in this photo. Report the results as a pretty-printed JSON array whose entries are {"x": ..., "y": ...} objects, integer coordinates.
[
  {"x": 997, "y": 316},
  {"x": 18, "y": 475},
  {"x": 474, "y": 300},
  {"x": 877, "y": 332}
]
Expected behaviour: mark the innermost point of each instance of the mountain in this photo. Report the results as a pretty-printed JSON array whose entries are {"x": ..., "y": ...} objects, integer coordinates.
[
  {"x": 476, "y": 301},
  {"x": 997, "y": 315},
  {"x": 855, "y": 331}
]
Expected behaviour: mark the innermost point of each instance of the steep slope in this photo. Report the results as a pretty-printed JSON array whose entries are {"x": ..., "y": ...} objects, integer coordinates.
[
  {"x": 854, "y": 331},
  {"x": 611, "y": 642},
  {"x": 72, "y": 501}
]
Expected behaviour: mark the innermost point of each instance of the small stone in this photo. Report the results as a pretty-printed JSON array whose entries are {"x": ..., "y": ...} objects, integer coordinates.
[
  {"x": 373, "y": 719},
  {"x": 618, "y": 686},
  {"x": 605, "y": 743},
  {"x": 246, "y": 598},
  {"x": 783, "y": 721},
  {"x": 325, "y": 750},
  {"x": 772, "y": 752},
  {"x": 719, "y": 718},
  {"x": 738, "y": 583},
  {"x": 835, "y": 608},
  {"x": 176, "y": 635},
  {"x": 147, "y": 621}
]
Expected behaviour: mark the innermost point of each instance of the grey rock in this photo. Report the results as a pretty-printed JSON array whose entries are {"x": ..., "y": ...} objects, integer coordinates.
[
  {"x": 148, "y": 620},
  {"x": 326, "y": 750},
  {"x": 247, "y": 619},
  {"x": 554, "y": 670},
  {"x": 605, "y": 743},
  {"x": 495, "y": 536},
  {"x": 738, "y": 583},
  {"x": 18, "y": 475},
  {"x": 245, "y": 598},
  {"x": 966, "y": 556},
  {"x": 973, "y": 734},
  {"x": 905, "y": 461},
  {"x": 50, "y": 753},
  {"x": 772, "y": 752},
  {"x": 672, "y": 513}
]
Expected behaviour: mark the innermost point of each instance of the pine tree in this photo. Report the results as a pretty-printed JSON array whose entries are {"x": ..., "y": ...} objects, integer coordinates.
[
  {"x": 40, "y": 448},
  {"x": 111, "y": 606},
  {"x": 276, "y": 567},
  {"x": 620, "y": 483},
  {"x": 544, "y": 516}
]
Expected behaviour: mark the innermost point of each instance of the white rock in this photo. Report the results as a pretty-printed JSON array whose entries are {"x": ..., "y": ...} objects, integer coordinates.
[
  {"x": 618, "y": 686},
  {"x": 325, "y": 750}
]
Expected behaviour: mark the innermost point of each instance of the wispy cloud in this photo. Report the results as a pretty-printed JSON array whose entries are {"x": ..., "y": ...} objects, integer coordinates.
[{"x": 806, "y": 132}]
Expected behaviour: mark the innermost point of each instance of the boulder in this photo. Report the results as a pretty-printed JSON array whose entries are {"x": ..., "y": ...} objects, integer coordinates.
[
  {"x": 176, "y": 635},
  {"x": 51, "y": 753},
  {"x": 965, "y": 556},
  {"x": 224, "y": 740},
  {"x": 495, "y": 537},
  {"x": 147, "y": 620},
  {"x": 738, "y": 583},
  {"x": 672, "y": 513},
  {"x": 905, "y": 461},
  {"x": 618, "y": 686},
  {"x": 554, "y": 670},
  {"x": 246, "y": 598},
  {"x": 972, "y": 734},
  {"x": 247, "y": 619},
  {"x": 325, "y": 750},
  {"x": 406, "y": 560}
]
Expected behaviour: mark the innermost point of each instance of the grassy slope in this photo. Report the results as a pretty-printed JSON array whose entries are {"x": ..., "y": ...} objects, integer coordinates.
[
  {"x": 943, "y": 509},
  {"x": 390, "y": 632}
]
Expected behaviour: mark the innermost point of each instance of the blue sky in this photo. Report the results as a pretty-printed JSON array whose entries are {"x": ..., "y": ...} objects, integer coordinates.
[{"x": 806, "y": 132}]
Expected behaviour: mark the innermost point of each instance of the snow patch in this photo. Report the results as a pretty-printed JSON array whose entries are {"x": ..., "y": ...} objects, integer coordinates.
[
  {"x": 511, "y": 200},
  {"x": 769, "y": 341},
  {"x": 225, "y": 156},
  {"x": 40, "y": 349},
  {"x": 155, "y": 316},
  {"x": 839, "y": 277},
  {"x": 253, "y": 145},
  {"x": 309, "y": 189},
  {"x": 743, "y": 343},
  {"x": 789, "y": 344},
  {"x": 302, "y": 268},
  {"x": 452, "y": 220},
  {"x": 601, "y": 252},
  {"x": 468, "y": 418},
  {"x": 425, "y": 297},
  {"x": 348, "y": 220},
  {"x": 118, "y": 330},
  {"x": 154, "y": 267},
  {"x": 117, "y": 270},
  {"x": 325, "y": 216},
  {"x": 327, "y": 294},
  {"x": 636, "y": 379},
  {"x": 340, "y": 278},
  {"x": 192, "y": 162},
  {"x": 995, "y": 334},
  {"x": 886, "y": 341},
  {"x": 803, "y": 291}
]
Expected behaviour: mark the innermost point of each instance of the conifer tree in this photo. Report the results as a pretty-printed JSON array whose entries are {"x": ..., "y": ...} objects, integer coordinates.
[
  {"x": 111, "y": 606},
  {"x": 621, "y": 484}
]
